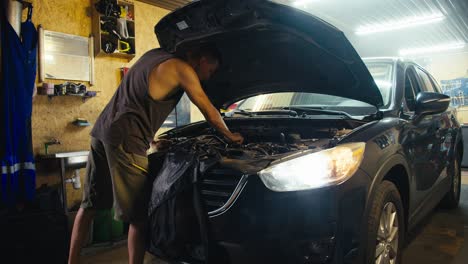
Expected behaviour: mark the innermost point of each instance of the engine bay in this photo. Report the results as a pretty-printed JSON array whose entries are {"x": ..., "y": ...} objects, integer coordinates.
[
  {"x": 278, "y": 143},
  {"x": 269, "y": 137}
]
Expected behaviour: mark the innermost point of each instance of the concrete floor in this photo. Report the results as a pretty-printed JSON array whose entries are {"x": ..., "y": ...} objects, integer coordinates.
[
  {"x": 441, "y": 239},
  {"x": 117, "y": 255}
]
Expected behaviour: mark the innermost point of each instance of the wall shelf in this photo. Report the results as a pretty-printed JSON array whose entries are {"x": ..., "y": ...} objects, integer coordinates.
[
  {"x": 101, "y": 36},
  {"x": 83, "y": 97},
  {"x": 79, "y": 122},
  {"x": 117, "y": 55}
]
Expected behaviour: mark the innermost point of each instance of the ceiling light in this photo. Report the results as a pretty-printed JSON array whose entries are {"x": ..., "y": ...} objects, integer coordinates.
[
  {"x": 438, "y": 48},
  {"x": 301, "y": 2},
  {"x": 405, "y": 23}
]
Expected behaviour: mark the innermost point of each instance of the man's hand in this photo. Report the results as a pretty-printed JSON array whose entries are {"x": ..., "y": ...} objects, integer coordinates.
[
  {"x": 235, "y": 138},
  {"x": 189, "y": 81},
  {"x": 161, "y": 145}
]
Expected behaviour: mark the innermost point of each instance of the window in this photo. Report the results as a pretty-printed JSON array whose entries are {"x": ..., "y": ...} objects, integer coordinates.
[
  {"x": 180, "y": 115},
  {"x": 285, "y": 100},
  {"x": 435, "y": 85},
  {"x": 411, "y": 89},
  {"x": 426, "y": 81},
  {"x": 382, "y": 73}
]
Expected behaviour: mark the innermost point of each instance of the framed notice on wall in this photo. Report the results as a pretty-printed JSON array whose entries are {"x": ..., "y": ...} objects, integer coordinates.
[
  {"x": 457, "y": 89},
  {"x": 65, "y": 56}
]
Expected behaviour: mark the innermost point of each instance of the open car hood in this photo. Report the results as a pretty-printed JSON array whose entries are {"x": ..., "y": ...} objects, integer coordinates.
[{"x": 268, "y": 47}]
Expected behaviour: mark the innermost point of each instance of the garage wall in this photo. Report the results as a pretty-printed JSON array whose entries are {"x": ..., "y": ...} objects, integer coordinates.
[
  {"x": 446, "y": 66},
  {"x": 52, "y": 118}
]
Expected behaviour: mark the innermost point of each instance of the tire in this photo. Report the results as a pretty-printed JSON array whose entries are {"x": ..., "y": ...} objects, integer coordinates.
[
  {"x": 380, "y": 246},
  {"x": 452, "y": 198}
]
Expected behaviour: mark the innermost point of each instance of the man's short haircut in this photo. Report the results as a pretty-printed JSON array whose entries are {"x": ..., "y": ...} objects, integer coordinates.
[{"x": 208, "y": 50}]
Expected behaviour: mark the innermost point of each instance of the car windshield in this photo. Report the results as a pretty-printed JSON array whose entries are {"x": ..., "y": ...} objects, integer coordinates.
[{"x": 381, "y": 72}]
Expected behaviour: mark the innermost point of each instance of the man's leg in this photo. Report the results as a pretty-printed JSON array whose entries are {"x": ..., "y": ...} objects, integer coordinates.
[
  {"x": 80, "y": 232},
  {"x": 97, "y": 194},
  {"x": 136, "y": 242},
  {"x": 131, "y": 187}
]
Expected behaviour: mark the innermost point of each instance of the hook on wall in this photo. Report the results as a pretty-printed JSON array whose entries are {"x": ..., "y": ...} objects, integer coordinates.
[{"x": 26, "y": 4}]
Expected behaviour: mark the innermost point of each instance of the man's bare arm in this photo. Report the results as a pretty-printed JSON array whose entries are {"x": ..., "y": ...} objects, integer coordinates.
[{"x": 191, "y": 84}]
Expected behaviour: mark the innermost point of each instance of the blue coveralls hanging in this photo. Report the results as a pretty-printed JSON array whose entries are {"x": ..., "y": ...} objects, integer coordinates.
[{"x": 18, "y": 175}]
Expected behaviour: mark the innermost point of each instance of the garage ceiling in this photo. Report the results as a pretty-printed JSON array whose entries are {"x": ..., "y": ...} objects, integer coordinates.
[
  {"x": 448, "y": 28},
  {"x": 167, "y": 4},
  {"x": 441, "y": 23}
]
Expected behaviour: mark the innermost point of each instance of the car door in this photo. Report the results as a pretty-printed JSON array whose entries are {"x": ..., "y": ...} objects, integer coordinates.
[
  {"x": 439, "y": 131},
  {"x": 449, "y": 129},
  {"x": 416, "y": 141}
]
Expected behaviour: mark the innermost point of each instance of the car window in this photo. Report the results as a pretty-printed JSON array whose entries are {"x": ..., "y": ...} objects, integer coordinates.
[
  {"x": 411, "y": 89},
  {"x": 309, "y": 100},
  {"x": 435, "y": 84},
  {"x": 382, "y": 72},
  {"x": 426, "y": 81}
]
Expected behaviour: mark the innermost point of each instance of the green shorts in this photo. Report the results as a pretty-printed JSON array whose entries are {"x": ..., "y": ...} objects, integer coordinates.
[{"x": 117, "y": 179}]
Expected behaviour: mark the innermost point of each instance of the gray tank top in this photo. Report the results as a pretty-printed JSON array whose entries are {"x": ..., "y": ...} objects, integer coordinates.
[{"x": 132, "y": 117}]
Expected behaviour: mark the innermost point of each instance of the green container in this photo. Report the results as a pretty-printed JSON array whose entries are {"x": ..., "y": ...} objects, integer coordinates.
[
  {"x": 105, "y": 228},
  {"x": 101, "y": 224},
  {"x": 117, "y": 227}
]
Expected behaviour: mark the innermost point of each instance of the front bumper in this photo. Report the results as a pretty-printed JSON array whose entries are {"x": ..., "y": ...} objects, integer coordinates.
[{"x": 314, "y": 226}]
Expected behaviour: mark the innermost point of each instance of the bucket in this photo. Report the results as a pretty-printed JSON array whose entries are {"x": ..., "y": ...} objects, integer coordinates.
[
  {"x": 117, "y": 227},
  {"x": 106, "y": 228},
  {"x": 101, "y": 226}
]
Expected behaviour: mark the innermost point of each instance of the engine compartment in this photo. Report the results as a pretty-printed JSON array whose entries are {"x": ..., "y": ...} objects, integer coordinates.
[
  {"x": 223, "y": 168},
  {"x": 270, "y": 137}
]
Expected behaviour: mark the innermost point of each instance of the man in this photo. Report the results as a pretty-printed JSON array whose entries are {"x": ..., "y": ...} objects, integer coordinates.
[{"x": 116, "y": 171}]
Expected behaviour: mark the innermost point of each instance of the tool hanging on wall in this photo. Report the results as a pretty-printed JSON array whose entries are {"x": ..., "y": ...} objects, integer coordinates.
[
  {"x": 123, "y": 46},
  {"x": 123, "y": 11},
  {"x": 109, "y": 46},
  {"x": 122, "y": 27},
  {"x": 108, "y": 8},
  {"x": 109, "y": 25}
]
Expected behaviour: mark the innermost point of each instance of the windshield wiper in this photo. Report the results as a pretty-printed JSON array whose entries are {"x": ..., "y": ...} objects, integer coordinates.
[
  {"x": 375, "y": 116},
  {"x": 287, "y": 112},
  {"x": 318, "y": 110},
  {"x": 239, "y": 112}
]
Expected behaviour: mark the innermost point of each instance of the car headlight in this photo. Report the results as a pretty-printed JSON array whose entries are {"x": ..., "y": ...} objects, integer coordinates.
[{"x": 324, "y": 168}]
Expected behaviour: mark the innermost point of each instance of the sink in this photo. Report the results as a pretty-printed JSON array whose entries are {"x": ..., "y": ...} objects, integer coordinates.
[
  {"x": 76, "y": 159},
  {"x": 68, "y": 154},
  {"x": 68, "y": 160}
]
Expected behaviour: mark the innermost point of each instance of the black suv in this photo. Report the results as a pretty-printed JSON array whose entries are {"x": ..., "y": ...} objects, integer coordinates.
[{"x": 341, "y": 157}]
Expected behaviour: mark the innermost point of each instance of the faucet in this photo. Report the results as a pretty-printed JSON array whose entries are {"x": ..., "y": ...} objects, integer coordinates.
[{"x": 53, "y": 141}]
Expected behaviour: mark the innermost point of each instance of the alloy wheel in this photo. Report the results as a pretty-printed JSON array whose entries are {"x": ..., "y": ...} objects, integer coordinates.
[{"x": 386, "y": 250}]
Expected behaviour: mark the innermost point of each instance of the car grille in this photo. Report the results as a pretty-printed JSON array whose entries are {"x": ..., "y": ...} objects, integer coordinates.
[{"x": 220, "y": 188}]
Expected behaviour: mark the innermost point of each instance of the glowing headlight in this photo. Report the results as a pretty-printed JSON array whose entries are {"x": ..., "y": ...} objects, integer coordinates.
[{"x": 328, "y": 167}]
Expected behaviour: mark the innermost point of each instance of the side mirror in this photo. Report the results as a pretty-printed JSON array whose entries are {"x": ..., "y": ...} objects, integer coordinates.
[{"x": 431, "y": 103}]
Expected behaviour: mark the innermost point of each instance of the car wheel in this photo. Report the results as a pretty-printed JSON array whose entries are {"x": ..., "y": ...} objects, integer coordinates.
[
  {"x": 452, "y": 198},
  {"x": 386, "y": 225}
]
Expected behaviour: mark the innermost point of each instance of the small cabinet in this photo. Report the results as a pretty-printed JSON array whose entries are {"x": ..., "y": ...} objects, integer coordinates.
[{"x": 114, "y": 29}]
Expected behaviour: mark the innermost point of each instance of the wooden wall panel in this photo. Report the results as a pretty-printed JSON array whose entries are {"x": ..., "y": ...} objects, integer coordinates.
[{"x": 52, "y": 118}]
